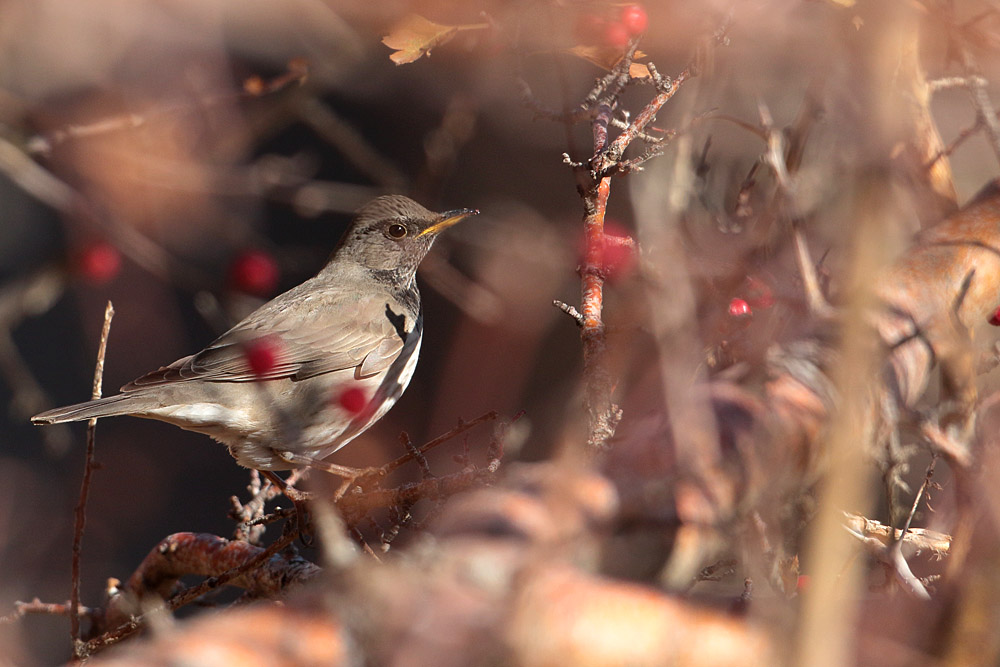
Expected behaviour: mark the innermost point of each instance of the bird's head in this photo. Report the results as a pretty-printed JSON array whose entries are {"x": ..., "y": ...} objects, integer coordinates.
[{"x": 393, "y": 234}]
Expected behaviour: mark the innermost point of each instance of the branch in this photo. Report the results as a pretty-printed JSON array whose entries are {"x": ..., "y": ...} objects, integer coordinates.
[
  {"x": 80, "y": 521},
  {"x": 125, "y": 624}
]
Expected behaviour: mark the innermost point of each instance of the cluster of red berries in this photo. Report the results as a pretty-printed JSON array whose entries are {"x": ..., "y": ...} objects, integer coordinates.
[{"x": 615, "y": 32}]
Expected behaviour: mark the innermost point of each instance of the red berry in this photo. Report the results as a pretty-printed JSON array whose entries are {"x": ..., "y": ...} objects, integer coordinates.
[
  {"x": 634, "y": 19},
  {"x": 353, "y": 400},
  {"x": 739, "y": 308},
  {"x": 616, "y": 35},
  {"x": 802, "y": 583},
  {"x": 618, "y": 254},
  {"x": 995, "y": 318},
  {"x": 98, "y": 262},
  {"x": 254, "y": 272},
  {"x": 619, "y": 251},
  {"x": 262, "y": 355}
]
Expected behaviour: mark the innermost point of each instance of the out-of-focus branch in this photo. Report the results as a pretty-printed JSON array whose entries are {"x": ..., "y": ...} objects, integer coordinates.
[
  {"x": 222, "y": 560},
  {"x": 359, "y": 152},
  {"x": 915, "y": 540},
  {"x": 44, "y": 144}
]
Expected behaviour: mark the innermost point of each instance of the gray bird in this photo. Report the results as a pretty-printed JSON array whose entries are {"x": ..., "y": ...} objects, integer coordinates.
[{"x": 311, "y": 369}]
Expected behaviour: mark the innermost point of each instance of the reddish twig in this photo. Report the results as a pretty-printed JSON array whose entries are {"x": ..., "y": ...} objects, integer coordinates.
[
  {"x": 80, "y": 521},
  {"x": 607, "y": 161},
  {"x": 596, "y": 373}
]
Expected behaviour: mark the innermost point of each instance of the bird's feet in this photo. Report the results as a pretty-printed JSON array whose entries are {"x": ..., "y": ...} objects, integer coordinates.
[
  {"x": 299, "y": 500},
  {"x": 351, "y": 476}
]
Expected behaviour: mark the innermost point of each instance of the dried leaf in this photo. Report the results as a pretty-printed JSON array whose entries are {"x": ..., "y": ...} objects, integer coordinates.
[
  {"x": 415, "y": 36},
  {"x": 638, "y": 71},
  {"x": 606, "y": 57}
]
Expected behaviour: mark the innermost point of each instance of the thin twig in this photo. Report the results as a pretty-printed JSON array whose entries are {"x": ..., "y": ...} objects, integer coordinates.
[
  {"x": 985, "y": 110},
  {"x": 569, "y": 310},
  {"x": 817, "y": 303},
  {"x": 36, "y": 606},
  {"x": 80, "y": 522},
  {"x": 461, "y": 428},
  {"x": 916, "y": 500},
  {"x": 418, "y": 456}
]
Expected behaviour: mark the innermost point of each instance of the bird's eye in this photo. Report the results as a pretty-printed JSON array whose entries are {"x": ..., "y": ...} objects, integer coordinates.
[{"x": 396, "y": 231}]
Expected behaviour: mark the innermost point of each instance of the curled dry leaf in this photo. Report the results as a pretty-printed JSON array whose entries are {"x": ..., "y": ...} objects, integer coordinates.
[
  {"x": 606, "y": 57},
  {"x": 414, "y": 37}
]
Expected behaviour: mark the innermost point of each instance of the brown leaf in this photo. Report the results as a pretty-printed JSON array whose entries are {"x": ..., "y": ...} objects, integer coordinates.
[
  {"x": 415, "y": 36},
  {"x": 638, "y": 71},
  {"x": 606, "y": 57}
]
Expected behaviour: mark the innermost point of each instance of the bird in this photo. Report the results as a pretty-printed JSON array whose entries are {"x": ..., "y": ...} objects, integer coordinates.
[{"x": 310, "y": 370}]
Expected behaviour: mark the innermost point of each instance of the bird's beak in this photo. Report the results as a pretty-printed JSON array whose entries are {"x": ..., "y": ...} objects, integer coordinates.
[{"x": 448, "y": 219}]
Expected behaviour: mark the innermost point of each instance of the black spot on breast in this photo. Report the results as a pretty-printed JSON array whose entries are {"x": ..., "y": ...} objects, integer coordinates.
[{"x": 398, "y": 322}]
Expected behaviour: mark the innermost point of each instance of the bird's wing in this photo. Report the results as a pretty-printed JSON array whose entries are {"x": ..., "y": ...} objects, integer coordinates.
[{"x": 333, "y": 333}]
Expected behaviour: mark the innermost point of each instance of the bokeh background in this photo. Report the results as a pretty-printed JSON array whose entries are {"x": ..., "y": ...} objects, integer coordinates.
[{"x": 190, "y": 135}]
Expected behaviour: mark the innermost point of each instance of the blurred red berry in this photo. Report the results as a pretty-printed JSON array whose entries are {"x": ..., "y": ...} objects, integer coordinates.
[
  {"x": 254, "y": 272},
  {"x": 353, "y": 400},
  {"x": 616, "y": 35},
  {"x": 618, "y": 254},
  {"x": 634, "y": 19},
  {"x": 98, "y": 262},
  {"x": 995, "y": 319},
  {"x": 262, "y": 355},
  {"x": 739, "y": 308},
  {"x": 619, "y": 251},
  {"x": 802, "y": 583},
  {"x": 589, "y": 28}
]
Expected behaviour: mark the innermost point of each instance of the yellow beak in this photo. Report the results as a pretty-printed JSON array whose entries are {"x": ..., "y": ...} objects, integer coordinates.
[{"x": 448, "y": 219}]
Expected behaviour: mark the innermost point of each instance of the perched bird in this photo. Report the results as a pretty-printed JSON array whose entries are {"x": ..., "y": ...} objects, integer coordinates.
[{"x": 310, "y": 370}]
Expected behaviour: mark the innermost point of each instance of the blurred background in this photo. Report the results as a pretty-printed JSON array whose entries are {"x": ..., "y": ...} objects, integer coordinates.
[{"x": 188, "y": 160}]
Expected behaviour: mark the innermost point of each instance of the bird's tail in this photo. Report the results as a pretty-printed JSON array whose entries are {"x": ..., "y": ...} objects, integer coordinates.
[{"x": 102, "y": 407}]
